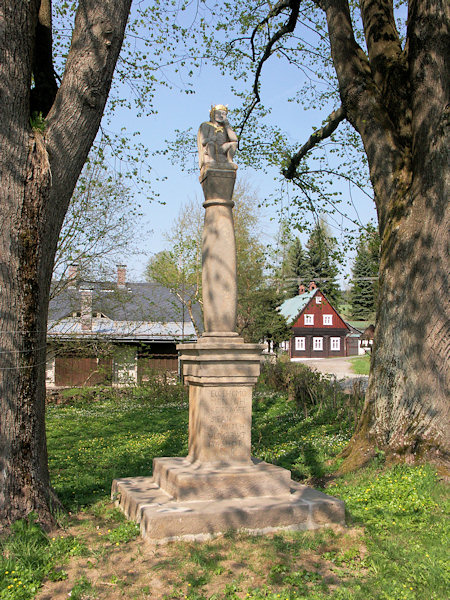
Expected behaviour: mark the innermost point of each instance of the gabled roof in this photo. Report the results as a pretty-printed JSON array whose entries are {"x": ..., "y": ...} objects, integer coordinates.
[
  {"x": 135, "y": 311},
  {"x": 139, "y": 302},
  {"x": 292, "y": 307}
]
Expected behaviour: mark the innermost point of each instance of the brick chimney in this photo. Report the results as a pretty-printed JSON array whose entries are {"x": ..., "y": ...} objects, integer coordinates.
[
  {"x": 86, "y": 310},
  {"x": 121, "y": 275},
  {"x": 312, "y": 286},
  {"x": 301, "y": 289},
  {"x": 72, "y": 275}
]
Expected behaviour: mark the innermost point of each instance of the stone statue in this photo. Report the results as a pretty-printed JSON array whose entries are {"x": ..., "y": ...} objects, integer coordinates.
[{"x": 217, "y": 142}]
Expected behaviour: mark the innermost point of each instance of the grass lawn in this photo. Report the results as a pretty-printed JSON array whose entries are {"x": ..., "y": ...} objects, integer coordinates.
[
  {"x": 361, "y": 364},
  {"x": 392, "y": 549}
]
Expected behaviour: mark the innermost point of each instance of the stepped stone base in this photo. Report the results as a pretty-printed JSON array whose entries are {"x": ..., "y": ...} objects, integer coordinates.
[
  {"x": 186, "y": 480},
  {"x": 211, "y": 500}
]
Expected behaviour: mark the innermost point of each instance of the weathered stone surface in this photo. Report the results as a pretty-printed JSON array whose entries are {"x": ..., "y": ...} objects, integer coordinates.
[
  {"x": 212, "y": 361},
  {"x": 220, "y": 420},
  {"x": 163, "y": 519},
  {"x": 216, "y": 141},
  {"x": 220, "y": 378},
  {"x": 218, "y": 486},
  {"x": 185, "y": 480},
  {"x": 219, "y": 285}
]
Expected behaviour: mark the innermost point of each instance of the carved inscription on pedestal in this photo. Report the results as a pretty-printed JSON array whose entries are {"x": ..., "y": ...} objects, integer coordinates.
[{"x": 228, "y": 422}]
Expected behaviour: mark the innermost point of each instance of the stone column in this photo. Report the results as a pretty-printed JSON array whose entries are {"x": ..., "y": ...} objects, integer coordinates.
[
  {"x": 220, "y": 369},
  {"x": 219, "y": 253}
]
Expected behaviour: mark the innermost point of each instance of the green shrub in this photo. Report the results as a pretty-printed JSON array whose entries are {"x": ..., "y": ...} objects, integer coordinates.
[{"x": 310, "y": 390}]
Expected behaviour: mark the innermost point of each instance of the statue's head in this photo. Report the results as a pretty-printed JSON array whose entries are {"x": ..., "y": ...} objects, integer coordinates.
[{"x": 218, "y": 108}]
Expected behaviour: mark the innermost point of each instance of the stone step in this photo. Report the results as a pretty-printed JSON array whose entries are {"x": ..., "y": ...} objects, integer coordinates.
[
  {"x": 185, "y": 480},
  {"x": 162, "y": 518}
]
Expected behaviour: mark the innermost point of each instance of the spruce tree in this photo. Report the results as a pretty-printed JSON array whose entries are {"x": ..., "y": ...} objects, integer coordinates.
[
  {"x": 365, "y": 267},
  {"x": 297, "y": 268},
  {"x": 322, "y": 268}
]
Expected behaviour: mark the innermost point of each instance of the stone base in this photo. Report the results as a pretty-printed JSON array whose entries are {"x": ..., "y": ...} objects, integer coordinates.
[
  {"x": 185, "y": 480},
  {"x": 163, "y": 519}
]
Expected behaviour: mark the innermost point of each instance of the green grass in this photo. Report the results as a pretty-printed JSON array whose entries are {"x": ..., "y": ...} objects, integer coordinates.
[
  {"x": 307, "y": 446},
  {"x": 361, "y": 364},
  {"x": 29, "y": 555},
  {"x": 394, "y": 549},
  {"x": 92, "y": 443}
]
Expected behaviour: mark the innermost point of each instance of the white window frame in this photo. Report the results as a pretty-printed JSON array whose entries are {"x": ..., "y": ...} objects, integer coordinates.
[
  {"x": 309, "y": 319},
  {"x": 327, "y": 319},
  {"x": 317, "y": 344},
  {"x": 300, "y": 344},
  {"x": 335, "y": 341},
  {"x": 318, "y": 299}
]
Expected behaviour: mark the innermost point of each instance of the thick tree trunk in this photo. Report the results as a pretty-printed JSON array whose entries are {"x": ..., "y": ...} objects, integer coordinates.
[
  {"x": 25, "y": 276},
  {"x": 38, "y": 171},
  {"x": 407, "y": 410}
]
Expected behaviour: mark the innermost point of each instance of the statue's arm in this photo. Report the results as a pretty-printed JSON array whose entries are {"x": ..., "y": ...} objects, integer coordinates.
[
  {"x": 230, "y": 133},
  {"x": 205, "y": 134}
]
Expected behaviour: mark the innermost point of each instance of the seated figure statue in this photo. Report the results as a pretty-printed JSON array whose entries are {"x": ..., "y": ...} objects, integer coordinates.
[{"x": 217, "y": 142}]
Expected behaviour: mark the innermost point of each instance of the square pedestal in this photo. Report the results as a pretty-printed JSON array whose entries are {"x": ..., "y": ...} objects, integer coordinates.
[
  {"x": 163, "y": 519},
  {"x": 219, "y": 486},
  {"x": 184, "y": 480}
]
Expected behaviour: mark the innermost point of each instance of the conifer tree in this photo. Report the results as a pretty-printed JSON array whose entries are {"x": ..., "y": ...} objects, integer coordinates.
[
  {"x": 322, "y": 268},
  {"x": 362, "y": 297},
  {"x": 297, "y": 267},
  {"x": 364, "y": 288}
]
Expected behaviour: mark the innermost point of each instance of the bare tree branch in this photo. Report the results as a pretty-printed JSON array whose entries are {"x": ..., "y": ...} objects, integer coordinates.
[
  {"x": 332, "y": 123},
  {"x": 276, "y": 10},
  {"x": 288, "y": 27}
]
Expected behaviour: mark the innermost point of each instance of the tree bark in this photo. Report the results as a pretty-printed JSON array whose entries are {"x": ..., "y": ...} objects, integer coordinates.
[
  {"x": 398, "y": 102},
  {"x": 39, "y": 169},
  {"x": 409, "y": 386}
]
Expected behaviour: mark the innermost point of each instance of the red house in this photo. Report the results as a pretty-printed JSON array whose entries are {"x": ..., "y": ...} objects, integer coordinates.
[{"x": 318, "y": 331}]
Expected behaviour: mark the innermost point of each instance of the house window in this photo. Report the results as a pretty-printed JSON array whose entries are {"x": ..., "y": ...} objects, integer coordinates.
[
  {"x": 335, "y": 343},
  {"x": 318, "y": 299},
  {"x": 328, "y": 319},
  {"x": 309, "y": 319},
  {"x": 299, "y": 343},
  {"x": 317, "y": 343}
]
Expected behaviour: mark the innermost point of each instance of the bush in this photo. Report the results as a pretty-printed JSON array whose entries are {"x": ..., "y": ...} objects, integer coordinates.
[{"x": 309, "y": 389}]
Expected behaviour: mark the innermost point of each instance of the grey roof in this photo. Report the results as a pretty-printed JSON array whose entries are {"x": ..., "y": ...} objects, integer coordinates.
[
  {"x": 361, "y": 325},
  {"x": 137, "y": 310},
  {"x": 134, "y": 302},
  {"x": 292, "y": 307},
  {"x": 122, "y": 330}
]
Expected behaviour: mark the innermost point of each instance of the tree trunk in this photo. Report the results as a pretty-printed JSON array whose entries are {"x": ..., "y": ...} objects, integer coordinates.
[
  {"x": 407, "y": 410},
  {"x": 26, "y": 276},
  {"x": 406, "y": 140},
  {"x": 38, "y": 170}
]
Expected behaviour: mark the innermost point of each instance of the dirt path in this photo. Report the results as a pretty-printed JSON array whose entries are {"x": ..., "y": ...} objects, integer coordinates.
[{"x": 340, "y": 367}]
